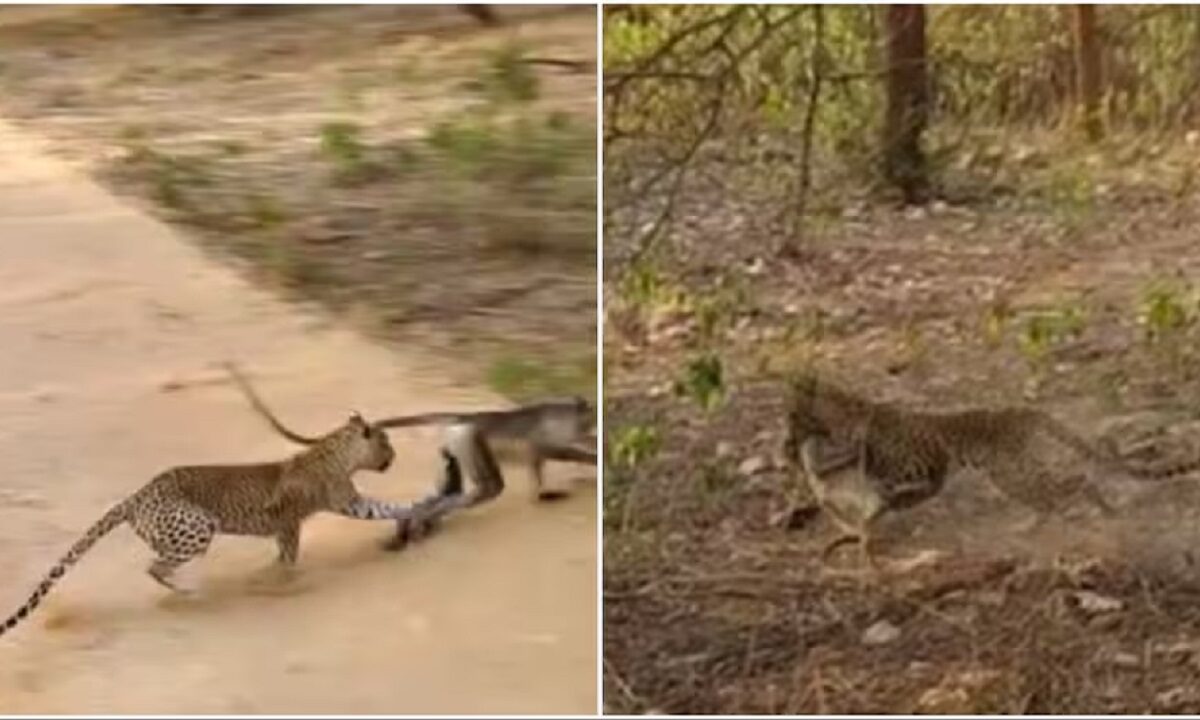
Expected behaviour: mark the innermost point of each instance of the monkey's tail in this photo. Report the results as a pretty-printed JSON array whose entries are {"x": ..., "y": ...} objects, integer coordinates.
[
  {"x": 1110, "y": 460},
  {"x": 425, "y": 419},
  {"x": 261, "y": 407},
  {"x": 110, "y": 520}
]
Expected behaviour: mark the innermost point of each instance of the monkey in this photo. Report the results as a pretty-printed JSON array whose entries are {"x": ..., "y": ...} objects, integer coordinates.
[{"x": 548, "y": 430}]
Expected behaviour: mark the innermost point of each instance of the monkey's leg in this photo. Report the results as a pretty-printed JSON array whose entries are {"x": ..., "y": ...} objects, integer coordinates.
[
  {"x": 463, "y": 447},
  {"x": 562, "y": 453},
  {"x": 470, "y": 448},
  {"x": 428, "y": 512},
  {"x": 566, "y": 453},
  {"x": 818, "y": 461},
  {"x": 849, "y": 532},
  {"x": 832, "y": 546},
  {"x": 866, "y": 546}
]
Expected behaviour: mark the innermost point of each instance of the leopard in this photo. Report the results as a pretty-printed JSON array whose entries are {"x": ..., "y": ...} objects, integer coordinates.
[
  {"x": 862, "y": 459},
  {"x": 181, "y": 510}
]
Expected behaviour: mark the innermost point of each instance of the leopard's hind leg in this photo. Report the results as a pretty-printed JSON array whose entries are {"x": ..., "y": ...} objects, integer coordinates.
[{"x": 177, "y": 532}]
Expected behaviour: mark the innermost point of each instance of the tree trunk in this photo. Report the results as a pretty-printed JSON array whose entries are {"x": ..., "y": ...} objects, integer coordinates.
[
  {"x": 907, "y": 101},
  {"x": 1087, "y": 69},
  {"x": 483, "y": 13}
]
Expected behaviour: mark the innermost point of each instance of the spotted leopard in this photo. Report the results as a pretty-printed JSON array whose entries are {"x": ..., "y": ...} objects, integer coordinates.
[{"x": 181, "y": 510}]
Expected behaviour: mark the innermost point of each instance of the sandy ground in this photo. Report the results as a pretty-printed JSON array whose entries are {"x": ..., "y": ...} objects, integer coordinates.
[
  {"x": 110, "y": 326},
  {"x": 201, "y": 117}
]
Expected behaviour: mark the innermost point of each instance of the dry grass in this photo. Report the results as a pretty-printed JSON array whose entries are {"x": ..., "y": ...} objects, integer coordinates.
[
  {"x": 403, "y": 167},
  {"x": 1079, "y": 306}
]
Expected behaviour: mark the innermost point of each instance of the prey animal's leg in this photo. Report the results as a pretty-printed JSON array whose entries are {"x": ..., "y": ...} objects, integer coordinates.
[
  {"x": 428, "y": 512},
  {"x": 819, "y": 461},
  {"x": 581, "y": 456},
  {"x": 463, "y": 450},
  {"x": 561, "y": 453},
  {"x": 471, "y": 450},
  {"x": 837, "y": 475},
  {"x": 467, "y": 450},
  {"x": 849, "y": 532},
  {"x": 536, "y": 466},
  {"x": 832, "y": 546},
  {"x": 866, "y": 546}
]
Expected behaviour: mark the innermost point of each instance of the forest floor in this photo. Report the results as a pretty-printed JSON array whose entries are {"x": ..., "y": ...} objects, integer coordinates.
[
  {"x": 403, "y": 167},
  {"x": 1074, "y": 290}
]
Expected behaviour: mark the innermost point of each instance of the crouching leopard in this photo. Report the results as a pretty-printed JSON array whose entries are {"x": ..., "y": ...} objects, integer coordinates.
[
  {"x": 180, "y": 511},
  {"x": 862, "y": 458}
]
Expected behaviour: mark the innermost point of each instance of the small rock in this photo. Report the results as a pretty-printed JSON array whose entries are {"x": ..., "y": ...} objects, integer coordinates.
[
  {"x": 916, "y": 212},
  {"x": 1125, "y": 660},
  {"x": 1175, "y": 698},
  {"x": 15, "y": 498},
  {"x": 753, "y": 465},
  {"x": 1179, "y": 652},
  {"x": 724, "y": 449},
  {"x": 1108, "y": 621},
  {"x": 881, "y": 633},
  {"x": 1095, "y": 603}
]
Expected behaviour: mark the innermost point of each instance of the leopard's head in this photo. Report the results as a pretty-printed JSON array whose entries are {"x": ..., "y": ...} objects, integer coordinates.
[{"x": 367, "y": 445}]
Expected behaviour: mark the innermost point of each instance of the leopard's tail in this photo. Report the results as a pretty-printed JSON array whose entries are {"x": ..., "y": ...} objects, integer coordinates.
[
  {"x": 1109, "y": 459},
  {"x": 106, "y": 524}
]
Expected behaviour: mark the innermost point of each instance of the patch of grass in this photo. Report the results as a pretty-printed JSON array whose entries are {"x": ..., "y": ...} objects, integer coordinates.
[
  {"x": 1069, "y": 188},
  {"x": 342, "y": 145},
  {"x": 467, "y": 142},
  {"x": 646, "y": 289},
  {"x": 631, "y": 446},
  {"x": 1167, "y": 312},
  {"x": 341, "y": 142},
  {"x": 1043, "y": 329},
  {"x": 716, "y": 310},
  {"x": 994, "y": 323},
  {"x": 171, "y": 178},
  {"x": 507, "y": 78},
  {"x": 264, "y": 212},
  {"x": 703, "y": 381},
  {"x": 293, "y": 269},
  {"x": 529, "y": 180},
  {"x": 1163, "y": 311},
  {"x": 522, "y": 378}
]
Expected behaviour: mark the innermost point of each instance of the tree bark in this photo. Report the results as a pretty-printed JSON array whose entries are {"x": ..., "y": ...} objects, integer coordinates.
[
  {"x": 907, "y": 101},
  {"x": 483, "y": 13},
  {"x": 1087, "y": 69}
]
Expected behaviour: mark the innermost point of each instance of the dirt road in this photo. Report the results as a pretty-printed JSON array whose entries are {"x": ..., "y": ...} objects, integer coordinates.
[{"x": 110, "y": 327}]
